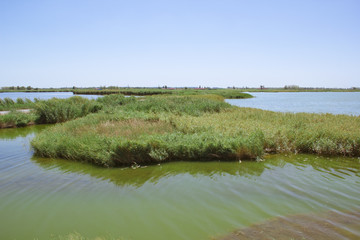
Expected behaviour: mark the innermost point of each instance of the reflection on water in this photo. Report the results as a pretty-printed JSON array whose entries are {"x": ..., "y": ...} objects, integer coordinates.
[
  {"x": 249, "y": 169},
  {"x": 153, "y": 174},
  {"x": 12, "y": 133},
  {"x": 181, "y": 200}
]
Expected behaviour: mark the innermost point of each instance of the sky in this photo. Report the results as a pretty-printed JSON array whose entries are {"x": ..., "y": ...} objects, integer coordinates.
[{"x": 212, "y": 43}]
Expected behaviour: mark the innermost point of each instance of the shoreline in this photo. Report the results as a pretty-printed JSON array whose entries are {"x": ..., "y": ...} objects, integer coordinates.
[{"x": 17, "y": 110}]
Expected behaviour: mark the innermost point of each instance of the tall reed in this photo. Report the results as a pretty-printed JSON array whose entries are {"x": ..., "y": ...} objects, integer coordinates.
[
  {"x": 169, "y": 128},
  {"x": 61, "y": 110},
  {"x": 9, "y": 104}
]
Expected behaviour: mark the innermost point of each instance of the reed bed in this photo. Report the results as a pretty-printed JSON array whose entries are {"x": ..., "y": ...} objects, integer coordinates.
[
  {"x": 60, "y": 110},
  {"x": 7, "y": 104},
  {"x": 17, "y": 119},
  {"x": 324, "y": 134},
  {"x": 57, "y": 110},
  {"x": 196, "y": 128}
]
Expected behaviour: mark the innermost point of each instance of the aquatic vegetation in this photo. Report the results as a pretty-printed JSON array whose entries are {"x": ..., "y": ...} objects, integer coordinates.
[
  {"x": 7, "y": 104},
  {"x": 17, "y": 119},
  {"x": 60, "y": 110},
  {"x": 324, "y": 134},
  {"x": 179, "y": 105},
  {"x": 115, "y": 100},
  {"x": 46, "y": 111},
  {"x": 138, "y": 132},
  {"x": 202, "y": 127}
]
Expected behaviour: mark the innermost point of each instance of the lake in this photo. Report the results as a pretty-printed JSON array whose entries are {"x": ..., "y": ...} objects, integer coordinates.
[
  {"x": 314, "y": 102},
  {"x": 44, "y": 198},
  {"x": 292, "y": 196}
]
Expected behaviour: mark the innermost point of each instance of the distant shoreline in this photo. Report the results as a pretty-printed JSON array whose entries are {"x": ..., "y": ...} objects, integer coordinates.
[{"x": 170, "y": 90}]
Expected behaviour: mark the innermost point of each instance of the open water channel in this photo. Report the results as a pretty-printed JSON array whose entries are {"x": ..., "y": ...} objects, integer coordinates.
[{"x": 291, "y": 197}]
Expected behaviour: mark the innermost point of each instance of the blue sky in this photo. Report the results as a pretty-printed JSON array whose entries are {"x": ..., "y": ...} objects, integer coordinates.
[{"x": 59, "y": 43}]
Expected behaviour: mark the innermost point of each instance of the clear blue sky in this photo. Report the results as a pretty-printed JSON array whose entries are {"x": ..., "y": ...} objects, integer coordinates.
[{"x": 215, "y": 43}]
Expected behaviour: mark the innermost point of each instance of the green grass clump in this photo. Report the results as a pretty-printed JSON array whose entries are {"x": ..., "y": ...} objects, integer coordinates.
[
  {"x": 115, "y": 100},
  {"x": 7, "y": 104},
  {"x": 17, "y": 119},
  {"x": 179, "y": 105},
  {"x": 61, "y": 110}
]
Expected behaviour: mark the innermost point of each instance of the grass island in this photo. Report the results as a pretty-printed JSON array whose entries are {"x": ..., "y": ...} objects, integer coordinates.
[{"x": 115, "y": 130}]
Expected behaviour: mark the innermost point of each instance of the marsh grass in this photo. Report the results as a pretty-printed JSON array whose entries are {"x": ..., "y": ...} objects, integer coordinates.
[
  {"x": 195, "y": 128},
  {"x": 7, "y": 104},
  {"x": 139, "y": 132},
  {"x": 60, "y": 110},
  {"x": 179, "y": 105},
  {"x": 115, "y": 100},
  {"x": 129, "y": 129},
  {"x": 324, "y": 134},
  {"x": 17, "y": 119}
]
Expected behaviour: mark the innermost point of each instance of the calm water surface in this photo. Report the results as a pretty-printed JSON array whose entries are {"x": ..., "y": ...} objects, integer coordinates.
[
  {"x": 314, "y": 102},
  {"x": 41, "y": 198},
  {"x": 42, "y": 95}
]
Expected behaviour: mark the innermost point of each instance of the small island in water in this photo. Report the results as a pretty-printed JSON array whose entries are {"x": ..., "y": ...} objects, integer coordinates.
[{"x": 168, "y": 125}]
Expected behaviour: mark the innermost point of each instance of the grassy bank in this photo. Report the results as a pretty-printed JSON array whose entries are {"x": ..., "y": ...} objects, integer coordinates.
[
  {"x": 202, "y": 127},
  {"x": 58, "y": 110},
  {"x": 17, "y": 119}
]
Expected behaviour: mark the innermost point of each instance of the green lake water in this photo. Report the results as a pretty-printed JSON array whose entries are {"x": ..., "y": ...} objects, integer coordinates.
[{"x": 48, "y": 198}]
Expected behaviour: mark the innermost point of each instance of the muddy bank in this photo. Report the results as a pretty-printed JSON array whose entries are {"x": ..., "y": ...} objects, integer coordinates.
[{"x": 330, "y": 225}]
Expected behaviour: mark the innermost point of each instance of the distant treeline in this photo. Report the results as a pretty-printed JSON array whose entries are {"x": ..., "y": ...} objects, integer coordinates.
[
  {"x": 143, "y": 91},
  {"x": 31, "y": 89}
]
